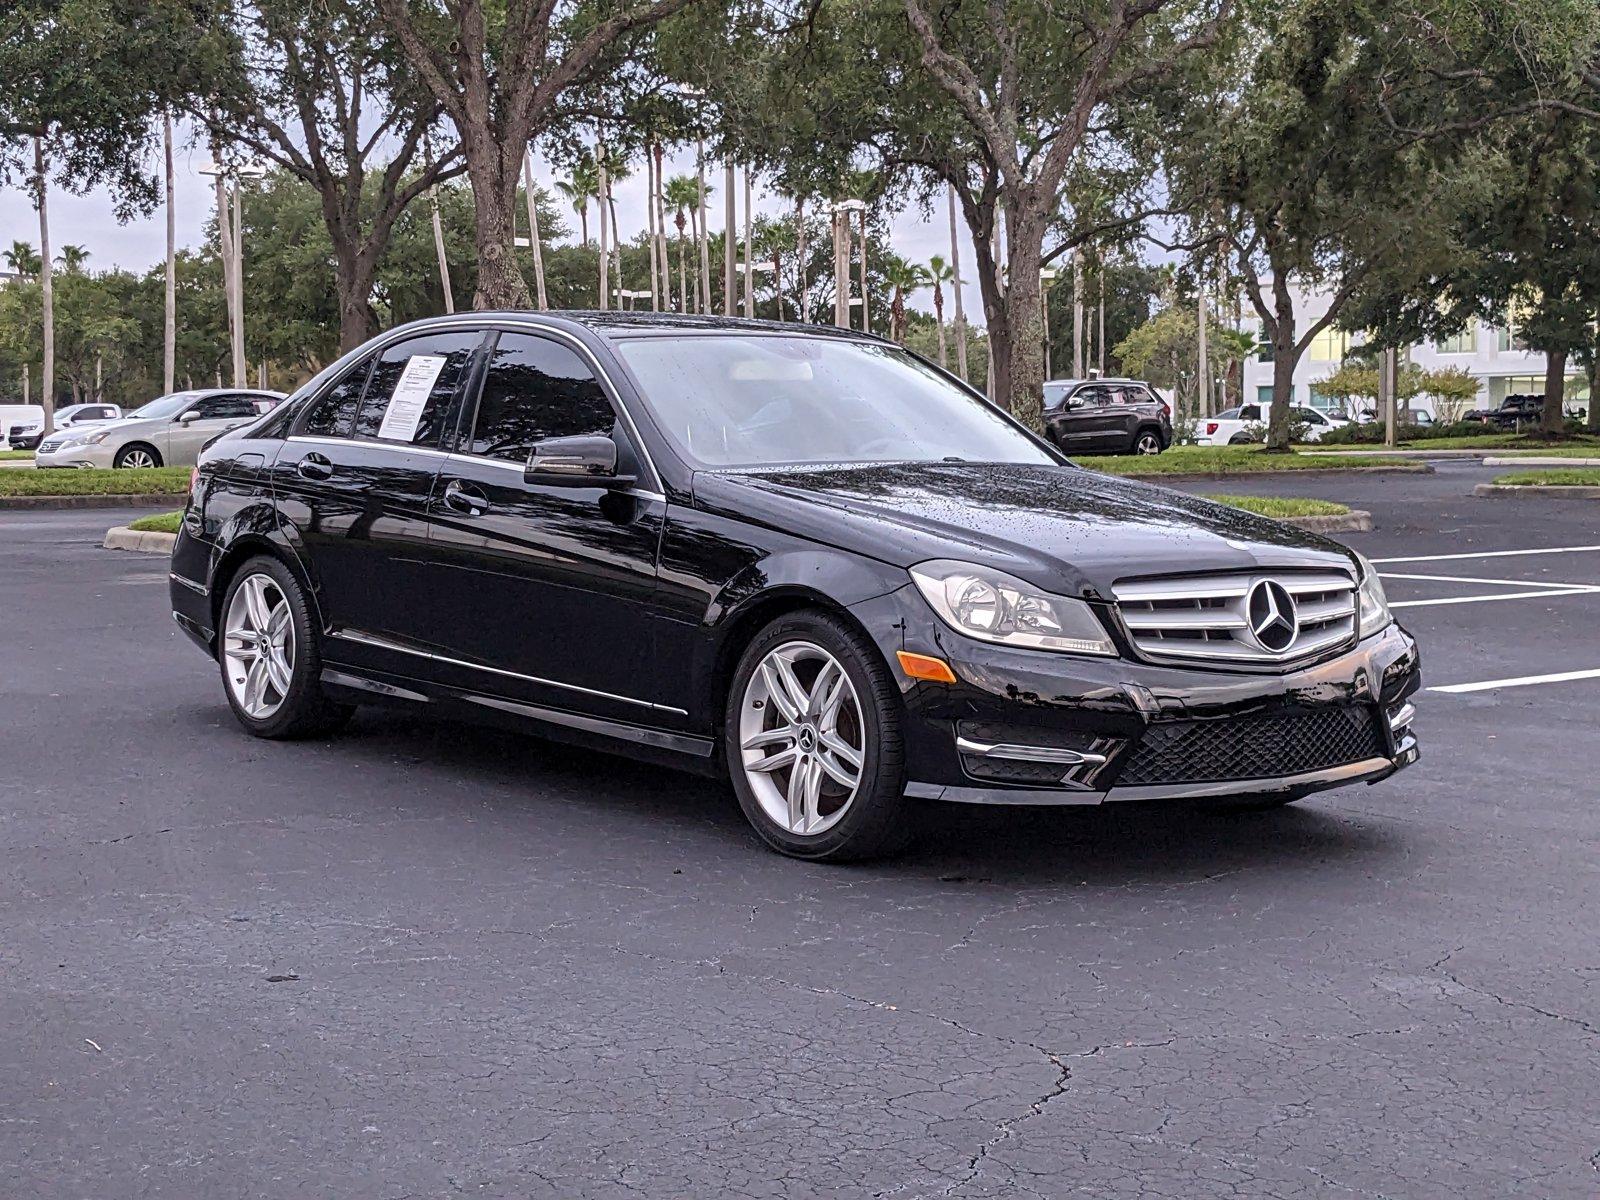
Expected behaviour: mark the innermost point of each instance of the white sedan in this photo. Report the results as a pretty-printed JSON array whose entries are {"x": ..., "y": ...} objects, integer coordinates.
[{"x": 1247, "y": 423}]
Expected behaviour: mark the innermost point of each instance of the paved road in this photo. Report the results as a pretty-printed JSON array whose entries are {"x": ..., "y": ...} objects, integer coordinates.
[{"x": 426, "y": 960}]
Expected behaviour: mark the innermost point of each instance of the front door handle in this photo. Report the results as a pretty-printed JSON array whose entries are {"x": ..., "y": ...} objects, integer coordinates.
[
  {"x": 465, "y": 499},
  {"x": 314, "y": 466}
]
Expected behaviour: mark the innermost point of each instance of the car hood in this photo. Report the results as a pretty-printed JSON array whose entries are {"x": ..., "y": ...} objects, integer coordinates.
[
  {"x": 1072, "y": 531},
  {"x": 118, "y": 426}
]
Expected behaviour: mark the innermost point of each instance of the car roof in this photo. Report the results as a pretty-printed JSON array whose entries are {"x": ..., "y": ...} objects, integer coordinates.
[
  {"x": 1100, "y": 379},
  {"x": 224, "y": 392},
  {"x": 615, "y": 324}
]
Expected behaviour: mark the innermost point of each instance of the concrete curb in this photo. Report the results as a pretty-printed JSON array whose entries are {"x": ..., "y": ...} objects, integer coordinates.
[
  {"x": 142, "y": 501},
  {"x": 1313, "y": 473},
  {"x": 1543, "y": 460},
  {"x": 1567, "y": 491},
  {"x": 123, "y": 538},
  {"x": 1400, "y": 453},
  {"x": 1355, "y": 521}
]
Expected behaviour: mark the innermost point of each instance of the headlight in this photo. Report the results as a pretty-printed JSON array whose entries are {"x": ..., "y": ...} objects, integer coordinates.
[
  {"x": 993, "y": 607},
  {"x": 1375, "y": 613},
  {"x": 90, "y": 439}
]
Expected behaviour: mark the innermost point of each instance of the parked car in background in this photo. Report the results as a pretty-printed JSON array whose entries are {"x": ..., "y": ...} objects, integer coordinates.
[
  {"x": 21, "y": 426},
  {"x": 168, "y": 432},
  {"x": 1246, "y": 423},
  {"x": 1514, "y": 411},
  {"x": 1106, "y": 416},
  {"x": 797, "y": 556},
  {"x": 76, "y": 416}
]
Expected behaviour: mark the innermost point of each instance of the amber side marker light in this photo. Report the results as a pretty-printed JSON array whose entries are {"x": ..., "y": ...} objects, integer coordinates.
[{"x": 923, "y": 666}]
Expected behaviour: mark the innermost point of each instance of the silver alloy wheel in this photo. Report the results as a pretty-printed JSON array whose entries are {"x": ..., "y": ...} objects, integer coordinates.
[
  {"x": 258, "y": 646},
  {"x": 138, "y": 460},
  {"x": 802, "y": 739},
  {"x": 1148, "y": 443}
]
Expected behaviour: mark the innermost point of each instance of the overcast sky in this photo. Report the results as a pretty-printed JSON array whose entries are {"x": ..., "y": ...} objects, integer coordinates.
[{"x": 140, "y": 244}]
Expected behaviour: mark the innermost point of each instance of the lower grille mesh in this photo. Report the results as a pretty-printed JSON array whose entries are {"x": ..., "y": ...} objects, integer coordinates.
[{"x": 1252, "y": 747}]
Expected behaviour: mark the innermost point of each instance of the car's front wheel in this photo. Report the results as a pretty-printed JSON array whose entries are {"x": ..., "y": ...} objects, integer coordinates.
[
  {"x": 271, "y": 661},
  {"x": 136, "y": 456},
  {"x": 812, "y": 741}
]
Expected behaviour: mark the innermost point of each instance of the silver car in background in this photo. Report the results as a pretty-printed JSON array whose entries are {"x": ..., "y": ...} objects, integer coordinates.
[{"x": 168, "y": 432}]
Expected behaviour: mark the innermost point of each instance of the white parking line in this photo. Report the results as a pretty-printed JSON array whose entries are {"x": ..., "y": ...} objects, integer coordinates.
[
  {"x": 1517, "y": 681},
  {"x": 1490, "y": 554},
  {"x": 1561, "y": 591},
  {"x": 1520, "y": 583}
]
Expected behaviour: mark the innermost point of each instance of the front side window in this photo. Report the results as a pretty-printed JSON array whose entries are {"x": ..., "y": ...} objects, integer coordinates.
[
  {"x": 332, "y": 412},
  {"x": 752, "y": 400},
  {"x": 536, "y": 389}
]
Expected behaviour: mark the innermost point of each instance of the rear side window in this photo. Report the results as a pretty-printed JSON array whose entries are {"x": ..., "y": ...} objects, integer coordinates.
[
  {"x": 330, "y": 414},
  {"x": 219, "y": 407},
  {"x": 410, "y": 397},
  {"x": 536, "y": 389}
]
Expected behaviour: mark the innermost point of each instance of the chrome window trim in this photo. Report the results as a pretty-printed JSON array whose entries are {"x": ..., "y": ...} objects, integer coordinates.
[
  {"x": 486, "y": 323},
  {"x": 367, "y": 639}
]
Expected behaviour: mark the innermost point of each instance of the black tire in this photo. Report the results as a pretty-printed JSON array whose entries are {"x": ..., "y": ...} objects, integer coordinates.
[
  {"x": 1240, "y": 439},
  {"x": 877, "y": 820},
  {"x": 120, "y": 461},
  {"x": 305, "y": 710},
  {"x": 1147, "y": 441}
]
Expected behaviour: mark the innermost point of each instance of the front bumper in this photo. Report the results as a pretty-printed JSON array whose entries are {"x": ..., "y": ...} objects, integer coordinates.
[
  {"x": 1030, "y": 727},
  {"x": 76, "y": 456}
]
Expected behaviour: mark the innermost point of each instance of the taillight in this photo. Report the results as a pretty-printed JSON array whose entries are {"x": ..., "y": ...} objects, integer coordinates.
[
  {"x": 1166, "y": 409},
  {"x": 1211, "y": 427},
  {"x": 194, "y": 478}
]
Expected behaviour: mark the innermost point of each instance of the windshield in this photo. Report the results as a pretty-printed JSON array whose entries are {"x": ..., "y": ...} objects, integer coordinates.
[
  {"x": 754, "y": 400},
  {"x": 166, "y": 406}
]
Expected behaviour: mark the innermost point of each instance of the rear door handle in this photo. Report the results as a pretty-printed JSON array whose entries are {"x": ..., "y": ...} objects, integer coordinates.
[
  {"x": 465, "y": 499},
  {"x": 314, "y": 466}
]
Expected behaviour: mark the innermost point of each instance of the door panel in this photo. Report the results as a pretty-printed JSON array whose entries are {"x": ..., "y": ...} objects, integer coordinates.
[
  {"x": 551, "y": 587},
  {"x": 360, "y": 504}
]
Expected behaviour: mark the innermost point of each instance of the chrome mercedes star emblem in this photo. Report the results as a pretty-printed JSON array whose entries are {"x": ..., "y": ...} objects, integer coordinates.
[{"x": 1272, "y": 616}]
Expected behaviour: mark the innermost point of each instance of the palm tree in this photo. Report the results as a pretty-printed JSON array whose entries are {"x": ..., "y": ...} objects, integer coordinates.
[
  {"x": 682, "y": 195},
  {"x": 904, "y": 278},
  {"x": 583, "y": 187},
  {"x": 72, "y": 258},
  {"x": 940, "y": 273},
  {"x": 22, "y": 259}
]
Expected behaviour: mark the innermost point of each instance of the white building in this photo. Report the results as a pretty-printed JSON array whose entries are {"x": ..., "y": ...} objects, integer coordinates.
[{"x": 1491, "y": 354}]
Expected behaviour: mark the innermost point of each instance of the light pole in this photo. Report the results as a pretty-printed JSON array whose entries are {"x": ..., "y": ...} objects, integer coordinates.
[
  {"x": 231, "y": 235},
  {"x": 955, "y": 283},
  {"x": 533, "y": 228},
  {"x": 1047, "y": 276}
]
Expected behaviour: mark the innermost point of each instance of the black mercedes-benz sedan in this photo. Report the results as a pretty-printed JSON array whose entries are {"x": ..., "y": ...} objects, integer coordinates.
[{"x": 803, "y": 558}]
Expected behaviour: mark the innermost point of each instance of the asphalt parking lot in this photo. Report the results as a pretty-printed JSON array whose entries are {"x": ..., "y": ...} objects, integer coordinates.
[{"x": 428, "y": 960}]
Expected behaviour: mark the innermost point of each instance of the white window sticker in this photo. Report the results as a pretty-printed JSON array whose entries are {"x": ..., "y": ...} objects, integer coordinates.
[{"x": 404, "y": 414}]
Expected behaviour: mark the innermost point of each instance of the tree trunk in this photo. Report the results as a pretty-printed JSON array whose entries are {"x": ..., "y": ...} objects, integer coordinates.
[
  {"x": 352, "y": 281},
  {"x": 1283, "y": 360},
  {"x": 47, "y": 293},
  {"x": 938, "y": 316},
  {"x": 730, "y": 236},
  {"x": 1019, "y": 365},
  {"x": 955, "y": 286},
  {"x": 1552, "y": 420},
  {"x": 1593, "y": 372}
]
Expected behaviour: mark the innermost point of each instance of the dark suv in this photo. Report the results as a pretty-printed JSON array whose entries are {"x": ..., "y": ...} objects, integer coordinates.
[{"x": 1106, "y": 416}]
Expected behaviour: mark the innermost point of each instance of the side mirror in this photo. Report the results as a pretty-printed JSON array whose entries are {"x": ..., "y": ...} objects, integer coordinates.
[
  {"x": 192, "y": 415},
  {"x": 585, "y": 461}
]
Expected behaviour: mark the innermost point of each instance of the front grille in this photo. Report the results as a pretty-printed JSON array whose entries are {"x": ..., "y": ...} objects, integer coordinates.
[
  {"x": 1209, "y": 618},
  {"x": 1253, "y": 747},
  {"x": 51, "y": 445}
]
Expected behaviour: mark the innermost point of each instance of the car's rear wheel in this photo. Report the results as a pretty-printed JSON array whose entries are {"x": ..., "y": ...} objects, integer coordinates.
[
  {"x": 270, "y": 658},
  {"x": 1148, "y": 441},
  {"x": 812, "y": 742},
  {"x": 137, "y": 456},
  {"x": 1240, "y": 439}
]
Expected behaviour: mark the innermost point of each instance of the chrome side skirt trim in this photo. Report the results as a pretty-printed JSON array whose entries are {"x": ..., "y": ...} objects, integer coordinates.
[
  {"x": 682, "y": 743},
  {"x": 377, "y": 688},
  {"x": 367, "y": 639},
  {"x": 198, "y": 588},
  {"x": 1019, "y": 753}
]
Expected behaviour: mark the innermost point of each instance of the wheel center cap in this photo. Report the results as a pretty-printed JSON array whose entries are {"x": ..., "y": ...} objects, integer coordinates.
[{"x": 808, "y": 738}]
